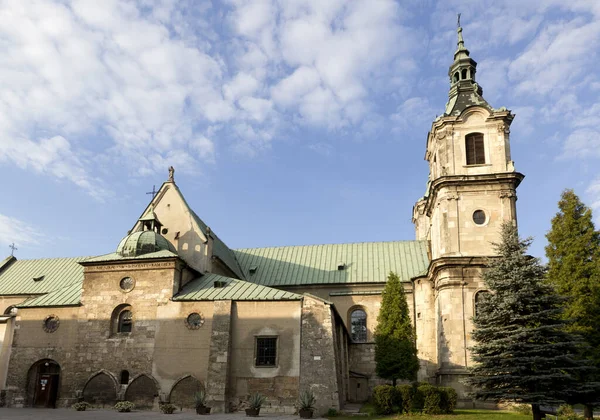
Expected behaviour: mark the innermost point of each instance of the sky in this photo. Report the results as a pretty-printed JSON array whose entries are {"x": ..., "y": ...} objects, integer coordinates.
[{"x": 288, "y": 122}]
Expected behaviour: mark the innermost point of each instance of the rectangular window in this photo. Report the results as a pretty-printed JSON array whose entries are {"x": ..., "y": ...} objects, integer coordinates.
[
  {"x": 475, "y": 149},
  {"x": 266, "y": 351}
]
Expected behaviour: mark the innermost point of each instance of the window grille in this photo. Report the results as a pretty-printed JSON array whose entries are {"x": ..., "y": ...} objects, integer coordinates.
[{"x": 266, "y": 351}]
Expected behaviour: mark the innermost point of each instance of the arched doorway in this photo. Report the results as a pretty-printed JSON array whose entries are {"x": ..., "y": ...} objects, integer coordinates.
[{"x": 43, "y": 382}]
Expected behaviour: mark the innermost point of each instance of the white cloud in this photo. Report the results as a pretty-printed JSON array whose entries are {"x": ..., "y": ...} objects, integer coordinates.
[
  {"x": 582, "y": 143},
  {"x": 413, "y": 112},
  {"x": 593, "y": 191},
  {"x": 557, "y": 58},
  {"x": 19, "y": 232}
]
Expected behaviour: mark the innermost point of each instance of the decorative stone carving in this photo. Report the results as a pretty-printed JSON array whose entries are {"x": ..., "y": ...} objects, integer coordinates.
[{"x": 507, "y": 194}]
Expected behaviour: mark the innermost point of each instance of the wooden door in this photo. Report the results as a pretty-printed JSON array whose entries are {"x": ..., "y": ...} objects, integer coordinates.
[{"x": 46, "y": 390}]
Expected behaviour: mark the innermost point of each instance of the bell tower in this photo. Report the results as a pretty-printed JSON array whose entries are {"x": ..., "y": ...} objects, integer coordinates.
[
  {"x": 470, "y": 192},
  {"x": 472, "y": 179}
]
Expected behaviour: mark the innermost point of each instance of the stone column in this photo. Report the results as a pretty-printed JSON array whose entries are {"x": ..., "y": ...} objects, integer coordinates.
[
  {"x": 317, "y": 354},
  {"x": 217, "y": 382}
]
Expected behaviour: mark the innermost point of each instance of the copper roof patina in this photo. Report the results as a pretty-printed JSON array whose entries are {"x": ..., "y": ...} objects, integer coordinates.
[
  {"x": 366, "y": 262},
  {"x": 216, "y": 287}
]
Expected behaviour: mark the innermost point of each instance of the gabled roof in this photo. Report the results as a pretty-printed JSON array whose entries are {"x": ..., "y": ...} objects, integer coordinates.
[
  {"x": 367, "y": 262},
  {"x": 204, "y": 288},
  {"x": 29, "y": 277}
]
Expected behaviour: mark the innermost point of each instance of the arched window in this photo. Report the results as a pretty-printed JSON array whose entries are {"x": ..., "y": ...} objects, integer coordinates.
[
  {"x": 122, "y": 319},
  {"x": 456, "y": 77},
  {"x": 125, "y": 321},
  {"x": 358, "y": 326},
  {"x": 480, "y": 297},
  {"x": 474, "y": 148},
  {"x": 464, "y": 74},
  {"x": 124, "y": 377}
]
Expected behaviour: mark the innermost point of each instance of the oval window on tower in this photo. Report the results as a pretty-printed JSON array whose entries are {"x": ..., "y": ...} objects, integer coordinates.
[{"x": 479, "y": 217}]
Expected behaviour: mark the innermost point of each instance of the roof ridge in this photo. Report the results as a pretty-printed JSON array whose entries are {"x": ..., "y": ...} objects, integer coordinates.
[
  {"x": 326, "y": 244},
  {"x": 54, "y": 258}
]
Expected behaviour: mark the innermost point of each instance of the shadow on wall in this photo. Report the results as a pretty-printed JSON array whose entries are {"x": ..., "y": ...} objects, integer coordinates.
[{"x": 86, "y": 364}]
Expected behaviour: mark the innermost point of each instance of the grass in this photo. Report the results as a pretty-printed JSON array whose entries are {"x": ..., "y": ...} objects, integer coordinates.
[{"x": 458, "y": 415}]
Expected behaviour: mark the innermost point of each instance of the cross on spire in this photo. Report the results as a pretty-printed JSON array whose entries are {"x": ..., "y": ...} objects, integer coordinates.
[
  {"x": 153, "y": 192},
  {"x": 13, "y": 249}
]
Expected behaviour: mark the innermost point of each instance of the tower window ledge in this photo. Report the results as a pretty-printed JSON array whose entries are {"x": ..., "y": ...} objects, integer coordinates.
[{"x": 477, "y": 165}]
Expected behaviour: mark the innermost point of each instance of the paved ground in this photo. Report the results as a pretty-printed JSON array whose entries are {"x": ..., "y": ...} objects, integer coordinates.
[{"x": 67, "y": 414}]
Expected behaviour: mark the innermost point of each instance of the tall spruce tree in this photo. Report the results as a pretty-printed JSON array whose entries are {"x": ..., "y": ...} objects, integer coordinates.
[
  {"x": 395, "y": 347},
  {"x": 523, "y": 352},
  {"x": 573, "y": 253}
]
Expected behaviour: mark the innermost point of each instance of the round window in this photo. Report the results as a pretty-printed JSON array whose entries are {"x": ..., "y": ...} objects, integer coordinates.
[
  {"x": 194, "y": 321},
  {"x": 126, "y": 284},
  {"x": 479, "y": 217},
  {"x": 51, "y": 323}
]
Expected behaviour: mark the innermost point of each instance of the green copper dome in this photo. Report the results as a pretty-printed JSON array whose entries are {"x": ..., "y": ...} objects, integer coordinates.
[{"x": 140, "y": 243}]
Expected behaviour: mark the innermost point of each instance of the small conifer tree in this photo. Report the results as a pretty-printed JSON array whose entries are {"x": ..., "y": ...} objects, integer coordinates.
[
  {"x": 573, "y": 253},
  {"x": 523, "y": 352},
  {"x": 395, "y": 347}
]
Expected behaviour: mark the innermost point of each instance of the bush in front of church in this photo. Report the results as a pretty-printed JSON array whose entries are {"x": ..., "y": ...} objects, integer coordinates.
[
  {"x": 386, "y": 399},
  {"x": 406, "y": 399}
]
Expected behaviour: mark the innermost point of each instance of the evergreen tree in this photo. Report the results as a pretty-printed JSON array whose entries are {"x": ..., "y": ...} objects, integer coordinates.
[
  {"x": 573, "y": 253},
  {"x": 395, "y": 347},
  {"x": 523, "y": 352}
]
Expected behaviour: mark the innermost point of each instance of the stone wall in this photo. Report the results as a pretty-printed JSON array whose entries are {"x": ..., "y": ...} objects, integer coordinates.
[
  {"x": 217, "y": 382},
  {"x": 318, "y": 369},
  {"x": 160, "y": 346},
  {"x": 279, "y": 383}
]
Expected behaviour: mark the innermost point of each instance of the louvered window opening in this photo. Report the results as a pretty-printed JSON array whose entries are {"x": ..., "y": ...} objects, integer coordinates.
[
  {"x": 266, "y": 351},
  {"x": 475, "y": 150}
]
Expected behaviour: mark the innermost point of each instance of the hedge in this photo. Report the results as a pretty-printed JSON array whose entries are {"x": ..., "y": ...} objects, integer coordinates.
[
  {"x": 385, "y": 399},
  {"x": 418, "y": 397}
]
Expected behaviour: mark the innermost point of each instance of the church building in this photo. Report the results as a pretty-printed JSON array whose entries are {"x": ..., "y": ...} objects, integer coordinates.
[{"x": 172, "y": 309}]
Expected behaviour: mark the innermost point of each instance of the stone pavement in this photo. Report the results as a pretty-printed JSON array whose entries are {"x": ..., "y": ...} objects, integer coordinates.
[{"x": 68, "y": 414}]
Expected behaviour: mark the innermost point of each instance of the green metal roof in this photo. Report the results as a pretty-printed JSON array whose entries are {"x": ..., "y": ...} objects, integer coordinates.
[
  {"x": 67, "y": 296},
  {"x": 204, "y": 288},
  {"x": 115, "y": 256},
  {"x": 143, "y": 242},
  {"x": 50, "y": 274},
  {"x": 367, "y": 262}
]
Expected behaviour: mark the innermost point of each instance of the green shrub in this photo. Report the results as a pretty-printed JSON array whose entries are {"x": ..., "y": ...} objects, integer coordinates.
[
  {"x": 432, "y": 399},
  {"x": 565, "y": 412},
  {"x": 124, "y": 406},
  {"x": 406, "y": 394},
  {"x": 167, "y": 408},
  {"x": 332, "y": 412},
  {"x": 524, "y": 409},
  {"x": 81, "y": 406},
  {"x": 449, "y": 399},
  {"x": 385, "y": 399},
  {"x": 418, "y": 401}
]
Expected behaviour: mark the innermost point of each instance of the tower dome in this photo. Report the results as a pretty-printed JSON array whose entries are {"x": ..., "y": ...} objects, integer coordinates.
[{"x": 144, "y": 242}]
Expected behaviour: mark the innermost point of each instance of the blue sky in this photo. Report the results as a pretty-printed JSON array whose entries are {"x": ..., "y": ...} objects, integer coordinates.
[{"x": 288, "y": 122}]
